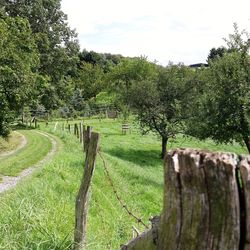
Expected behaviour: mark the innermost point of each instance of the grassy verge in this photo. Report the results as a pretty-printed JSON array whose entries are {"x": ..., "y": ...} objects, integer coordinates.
[
  {"x": 36, "y": 149},
  {"x": 11, "y": 143},
  {"x": 39, "y": 214}
]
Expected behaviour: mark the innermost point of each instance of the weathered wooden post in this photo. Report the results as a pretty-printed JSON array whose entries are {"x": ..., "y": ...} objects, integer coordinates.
[
  {"x": 244, "y": 168},
  {"x": 74, "y": 129},
  {"x": 82, "y": 198},
  {"x": 36, "y": 125},
  {"x": 83, "y": 136},
  {"x": 203, "y": 206},
  {"x": 87, "y": 135},
  {"x": 77, "y": 131},
  {"x": 69, "y": 128},
  {"x": 81, "y": 132}
]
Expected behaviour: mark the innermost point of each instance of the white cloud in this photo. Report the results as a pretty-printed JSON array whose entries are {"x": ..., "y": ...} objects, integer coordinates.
[{"x": 161, "y": 29}]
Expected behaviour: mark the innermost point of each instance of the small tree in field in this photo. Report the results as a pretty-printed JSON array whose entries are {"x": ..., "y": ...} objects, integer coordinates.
[
  {"x": 223, "y": 111},
  {"x": 161, "y": 106}
]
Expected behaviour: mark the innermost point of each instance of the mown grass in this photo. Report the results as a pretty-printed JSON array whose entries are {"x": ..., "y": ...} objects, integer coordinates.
[
  {"x": 36, "y": 149},
  {"x": 10, "y": 143},
  {"x": 39, "y": 214}
]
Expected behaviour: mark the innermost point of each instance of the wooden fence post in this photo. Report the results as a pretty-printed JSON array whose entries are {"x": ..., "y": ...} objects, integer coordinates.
[
  {"x": 77, "y": 131},
  {"x": 69, "y": 127},
  {"x": 83, "y": 194},
  {"x": 80, "y": 132},
  {"x": 83, "y": 136},
  {"x": 202, "y": 207},
  {"x": 87, "y": 136},
  {"x": 244, "y": 168},
  {"x": 74, "y": 129}
]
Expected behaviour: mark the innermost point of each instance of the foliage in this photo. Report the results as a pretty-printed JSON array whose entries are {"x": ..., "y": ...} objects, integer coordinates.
[
  {"x": 90, "y": 80},
  {"x": 18, "y": 61},
  {"x": 121, "y": 77},
  {"x": 105, "y": 61},
  {"x": 223, "y": 111},
  {"x": 56, "y": 43},
  {"x": 216, "y": 52},
  {"x": 162, "y": 106}
]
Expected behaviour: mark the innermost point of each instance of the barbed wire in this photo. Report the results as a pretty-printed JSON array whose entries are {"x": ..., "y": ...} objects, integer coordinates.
[{"x": 122, "y": 203}]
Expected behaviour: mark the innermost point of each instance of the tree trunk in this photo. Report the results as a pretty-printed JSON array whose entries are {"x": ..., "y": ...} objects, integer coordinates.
[
  {"x": 164, "y": 147},
  {"x": 247, "y": 142}
]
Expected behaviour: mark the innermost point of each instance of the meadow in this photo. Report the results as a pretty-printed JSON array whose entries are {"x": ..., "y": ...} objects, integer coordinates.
[{"x": 39, "y": 212}]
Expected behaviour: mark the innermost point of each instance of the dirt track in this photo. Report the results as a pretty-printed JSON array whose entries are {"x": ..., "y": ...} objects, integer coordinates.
[{"x": 9, "y": 182}]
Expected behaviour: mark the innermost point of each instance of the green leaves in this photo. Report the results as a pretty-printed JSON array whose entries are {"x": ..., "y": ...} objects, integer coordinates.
[{"x": 18, "y": 59}]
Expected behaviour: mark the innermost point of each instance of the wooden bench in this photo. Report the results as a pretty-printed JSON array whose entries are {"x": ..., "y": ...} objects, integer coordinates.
[{"x": 125, "y": 128}]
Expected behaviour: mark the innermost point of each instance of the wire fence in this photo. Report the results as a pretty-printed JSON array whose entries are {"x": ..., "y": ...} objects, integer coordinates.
[
  {"x": 82, "y": 134},
  {"x": 118, "y": 197}
]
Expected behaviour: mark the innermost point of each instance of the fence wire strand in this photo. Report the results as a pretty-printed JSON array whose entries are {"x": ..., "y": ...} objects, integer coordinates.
[{"x": 121, "y": 202}]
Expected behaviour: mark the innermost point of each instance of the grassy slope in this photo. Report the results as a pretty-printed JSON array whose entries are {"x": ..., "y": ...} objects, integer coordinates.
[
  {"x": 11, "y": 143},
  {"x": 36, "y": 149},
  {"x": 40, "y": 213}
]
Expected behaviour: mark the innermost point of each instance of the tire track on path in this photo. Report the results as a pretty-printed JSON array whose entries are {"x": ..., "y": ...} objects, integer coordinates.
[{"x": 9, "y": 182}]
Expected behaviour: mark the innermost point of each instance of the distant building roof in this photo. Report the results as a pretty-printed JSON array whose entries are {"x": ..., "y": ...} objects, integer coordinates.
[{"x": 198, "y": 65}]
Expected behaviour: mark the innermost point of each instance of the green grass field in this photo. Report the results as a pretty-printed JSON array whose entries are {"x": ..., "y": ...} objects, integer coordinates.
[{"x": 39, "y": 213}]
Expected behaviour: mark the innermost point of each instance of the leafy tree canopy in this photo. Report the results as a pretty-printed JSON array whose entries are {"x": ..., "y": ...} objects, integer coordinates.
[
  {"x": 223, "y": 111},
  {"x": 161, "y": 105},
  {"x": 18, "y": 62},
  {"x": 56, "y": 42}
]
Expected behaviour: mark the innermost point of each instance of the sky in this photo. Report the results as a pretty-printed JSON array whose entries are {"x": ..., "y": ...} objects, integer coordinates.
[{"x": 161, "y": 30}]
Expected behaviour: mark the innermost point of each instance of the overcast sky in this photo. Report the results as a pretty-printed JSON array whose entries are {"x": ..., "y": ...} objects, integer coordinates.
[{"x": 162, "y": 30}]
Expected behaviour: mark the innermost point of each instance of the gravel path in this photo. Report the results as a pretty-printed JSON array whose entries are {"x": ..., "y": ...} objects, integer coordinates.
[
  {"x": 20, "y": 146},
  {"x": 9, "y": 182}
]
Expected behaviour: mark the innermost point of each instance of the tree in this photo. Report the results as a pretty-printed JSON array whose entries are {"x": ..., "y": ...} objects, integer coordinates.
[
  {"x": 121, "y": 77},
  {"x": 57, "y": 45},
  {"x": 90, "y": 80},
  {"x": 216, "y": 53},
  {"x": 223, "y": 111},
  {"x": 162, "y": 105},
  {"x": 18, "y": 63}
]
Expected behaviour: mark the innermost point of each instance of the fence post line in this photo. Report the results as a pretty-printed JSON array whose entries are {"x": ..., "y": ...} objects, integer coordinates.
[
  {"x": 82, "y": 198},
  {"x": 69, "y": 127}
]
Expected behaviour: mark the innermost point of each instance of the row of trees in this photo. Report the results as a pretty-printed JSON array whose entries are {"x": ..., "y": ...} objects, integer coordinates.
[
  {"x": 41, "y": 67},
  {"x": 211, "y": 102}
]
